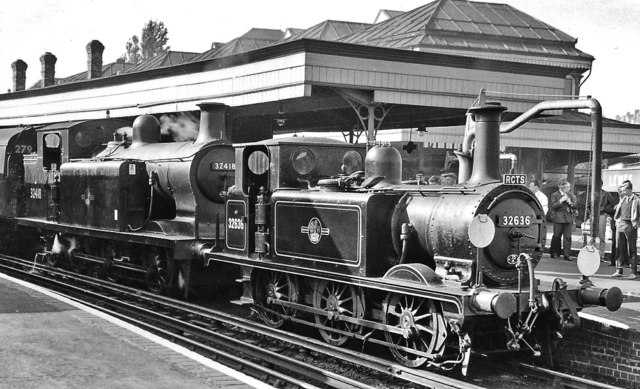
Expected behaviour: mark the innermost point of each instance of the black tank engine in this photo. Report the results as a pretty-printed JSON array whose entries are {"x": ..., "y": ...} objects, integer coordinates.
[{"x": 359, "y": 252}]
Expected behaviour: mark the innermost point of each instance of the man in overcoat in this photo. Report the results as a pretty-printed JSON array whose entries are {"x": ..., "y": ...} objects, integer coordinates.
[{"x": 564, "y": 205}]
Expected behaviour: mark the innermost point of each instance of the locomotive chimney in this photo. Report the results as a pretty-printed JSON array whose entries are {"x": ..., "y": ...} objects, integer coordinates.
[
  {"x": 212, "y": 123},
  {"x": 48, "y": 62},
  {"x": 94, "y": 59},
  {"x": 486, "y": 156},
  {"x": 19, "y": 75}
]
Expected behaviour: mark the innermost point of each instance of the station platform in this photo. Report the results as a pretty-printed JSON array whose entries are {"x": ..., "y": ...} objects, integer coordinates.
[
  {"x": 628, "y": 316},
  {"x": 49, "y": 341}
]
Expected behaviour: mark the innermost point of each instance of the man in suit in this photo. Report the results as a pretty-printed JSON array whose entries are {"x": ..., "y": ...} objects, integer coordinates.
[
  {"x": 564, "y": 205},
  {"x": 627, "y": 218}
]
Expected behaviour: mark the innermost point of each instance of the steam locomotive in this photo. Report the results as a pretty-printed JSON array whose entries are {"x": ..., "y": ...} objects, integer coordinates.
[
  {"x": 318, "y": 232},
  {"x": 426, "y": 271},
  {"x": 126, "y": 209}
]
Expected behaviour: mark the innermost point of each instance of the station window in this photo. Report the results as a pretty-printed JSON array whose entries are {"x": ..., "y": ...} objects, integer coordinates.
[{"x": 52, "y": 151}]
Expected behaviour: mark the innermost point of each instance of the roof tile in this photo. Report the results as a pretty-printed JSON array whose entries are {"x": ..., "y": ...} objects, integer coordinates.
[{"x": 452, "y": 24}]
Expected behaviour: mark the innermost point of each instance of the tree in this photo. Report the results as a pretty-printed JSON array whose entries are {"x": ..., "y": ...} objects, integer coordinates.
[
  {"x": 153, "y": 43},
  {"x": 133, "y": 50},
  {"x": 154, "y": 39}
]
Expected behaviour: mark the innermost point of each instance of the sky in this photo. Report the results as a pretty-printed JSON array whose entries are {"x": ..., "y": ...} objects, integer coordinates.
[{"x": 608, "y": 30}]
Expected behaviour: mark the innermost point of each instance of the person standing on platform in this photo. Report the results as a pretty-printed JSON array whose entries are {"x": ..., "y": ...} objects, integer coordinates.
[
  {"x": 564, "y": 205},
  {"x": 534, "y": 185},
  {"x": 614, "y": 246},
  {"x": 627, "y": 217}
]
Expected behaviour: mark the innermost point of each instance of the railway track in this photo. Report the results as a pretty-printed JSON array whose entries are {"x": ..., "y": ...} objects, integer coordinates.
[
  {"x": 244, "y": 345},
  {"x": 252, "y": 347},
  {"x": 550, "y": 378}
]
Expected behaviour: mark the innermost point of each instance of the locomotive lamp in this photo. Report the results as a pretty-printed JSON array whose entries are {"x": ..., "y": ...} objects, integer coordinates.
[
  {"x": 280, "y": 119},
  {"x": 410, "y": 146},
  {"x": 588, "y": 262},
  {"x": 482, "y": 230}
]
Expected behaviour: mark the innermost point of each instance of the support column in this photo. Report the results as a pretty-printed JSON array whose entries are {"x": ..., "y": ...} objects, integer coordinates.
[
  {"x": 371, "y": 116},
  {"x": 540, "y": 167},
  {"x": 370, "y": 113},
  {"x": 571, "y": 168}
]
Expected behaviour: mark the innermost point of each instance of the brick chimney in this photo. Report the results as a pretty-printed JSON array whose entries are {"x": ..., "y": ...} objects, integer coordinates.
[
  {"x": 94, "y": 59},
  {"x": 19, "y": 75},
  {"x": 48, "y": 62}
]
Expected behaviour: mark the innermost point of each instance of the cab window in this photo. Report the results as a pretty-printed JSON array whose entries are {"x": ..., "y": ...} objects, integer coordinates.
[{"x": 52, "y": 151}]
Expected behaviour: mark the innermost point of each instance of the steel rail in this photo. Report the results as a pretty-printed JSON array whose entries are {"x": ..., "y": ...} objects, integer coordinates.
[
  {"x": 417, "y": 376},
  {"x": 256, "y": 370},
  {"x": 421, "y": 377},
  {"x": 554, "y": 378}
]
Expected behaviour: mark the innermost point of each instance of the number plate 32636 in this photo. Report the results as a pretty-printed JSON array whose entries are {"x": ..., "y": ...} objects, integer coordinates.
[{"x": 514, "y": 221}]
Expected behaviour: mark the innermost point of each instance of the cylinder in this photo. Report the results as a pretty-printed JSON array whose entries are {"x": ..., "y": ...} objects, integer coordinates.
[
  {"x": 486, "y": 155},
  {"x": 502, "y": 304}
]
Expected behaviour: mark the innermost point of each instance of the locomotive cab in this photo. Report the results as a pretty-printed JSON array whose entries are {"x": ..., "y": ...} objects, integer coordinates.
[
  {"x": 275, "y": 165},
  {"x": 14, "y": 144},
  {"x": 57, "y": 144}
]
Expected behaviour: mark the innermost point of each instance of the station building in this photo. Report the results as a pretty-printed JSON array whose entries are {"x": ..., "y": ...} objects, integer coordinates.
[{"x": 406, "y": 77}]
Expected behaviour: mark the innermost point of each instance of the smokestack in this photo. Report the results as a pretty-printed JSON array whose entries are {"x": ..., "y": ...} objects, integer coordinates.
[
  {"x": 212, "y": 122},
  {"x": 19, "y": 75},
  {"x": 48, "y": 62},
  {"x": 94, "y": 59},
  {"x": 486, "y": 155}
]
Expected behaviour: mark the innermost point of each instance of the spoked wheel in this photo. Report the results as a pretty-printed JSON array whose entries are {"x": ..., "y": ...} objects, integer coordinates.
[
  {"x": 337, "y": 299},
  {"x": 269, "y": 287},
  {"x": 156, "y": 279},
  {"x": 417, "y": 319}
]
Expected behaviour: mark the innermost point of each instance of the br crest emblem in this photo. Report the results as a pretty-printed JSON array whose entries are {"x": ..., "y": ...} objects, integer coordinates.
[{"x": 314, "y": 230}]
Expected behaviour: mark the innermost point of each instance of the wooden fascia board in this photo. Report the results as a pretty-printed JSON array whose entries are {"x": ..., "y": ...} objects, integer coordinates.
[{"x": 298, "y": 46}]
